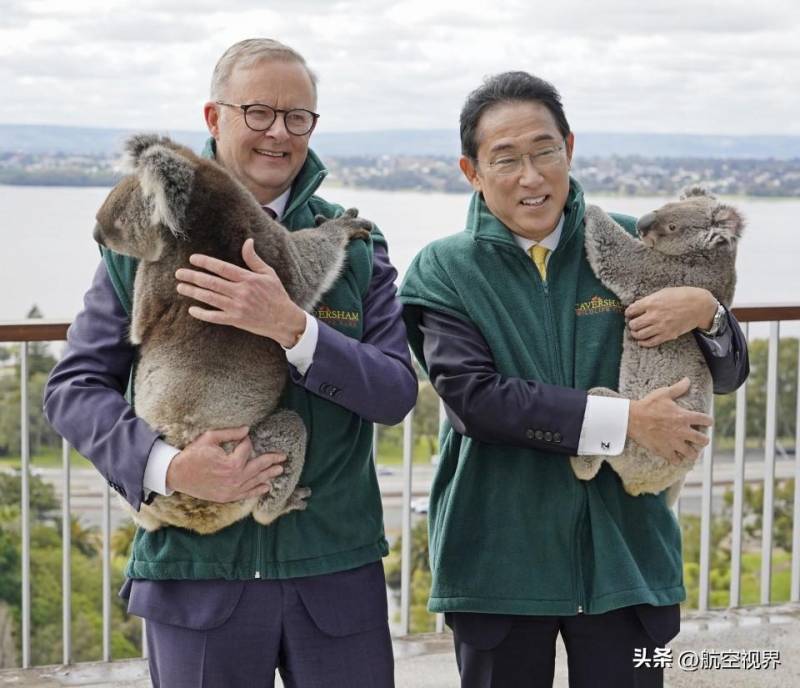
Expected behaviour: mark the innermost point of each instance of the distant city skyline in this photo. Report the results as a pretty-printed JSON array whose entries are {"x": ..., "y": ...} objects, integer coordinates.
[{"x": 702, "y": 67}]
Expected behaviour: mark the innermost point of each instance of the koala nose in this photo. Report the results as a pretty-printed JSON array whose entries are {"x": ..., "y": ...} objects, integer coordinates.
[
  {"x": 98, "y": 234},
  {"x": 645, "y": 223}
]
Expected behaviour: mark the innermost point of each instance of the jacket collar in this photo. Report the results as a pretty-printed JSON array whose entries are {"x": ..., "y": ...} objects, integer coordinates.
[
  {"x": 305, "y": 184},
  {"x": 484, "y": 226}
]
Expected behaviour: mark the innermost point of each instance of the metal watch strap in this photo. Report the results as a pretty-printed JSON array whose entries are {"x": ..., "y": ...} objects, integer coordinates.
[{"x": 716, "y": 323}]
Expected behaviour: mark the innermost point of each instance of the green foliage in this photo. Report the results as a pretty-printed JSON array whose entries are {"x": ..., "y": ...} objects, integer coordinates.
[
  {"x": 46, "y": 579},
  {"x": 720, "y": 572},
  {"x": 40, "y": 363},
  {"x": 421, "y": 620},
  {"x": 426, "y": 417},
  {"x": 42, "y": 495},
  {"x": 725, "y": 406}
]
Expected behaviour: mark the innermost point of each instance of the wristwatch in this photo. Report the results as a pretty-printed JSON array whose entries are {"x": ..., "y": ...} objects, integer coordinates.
[{"x": 717, "y": 324}]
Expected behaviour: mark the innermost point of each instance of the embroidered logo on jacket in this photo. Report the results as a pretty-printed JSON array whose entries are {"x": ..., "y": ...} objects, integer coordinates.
[
  {"x": 337, "y": 317},
  {"x": 599, "y": 304}
]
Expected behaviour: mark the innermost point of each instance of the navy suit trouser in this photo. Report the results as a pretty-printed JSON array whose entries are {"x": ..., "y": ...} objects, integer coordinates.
[
  {"x": 328, "y": 631},
  {"x": 505, "y": 651}
]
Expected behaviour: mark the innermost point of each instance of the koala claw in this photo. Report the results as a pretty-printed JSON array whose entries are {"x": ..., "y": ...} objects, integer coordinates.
[{"x": 297, "y": 500}]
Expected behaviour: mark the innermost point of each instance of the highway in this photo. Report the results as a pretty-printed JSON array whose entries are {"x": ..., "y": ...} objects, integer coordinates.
[{"x": 87, "y": 488}]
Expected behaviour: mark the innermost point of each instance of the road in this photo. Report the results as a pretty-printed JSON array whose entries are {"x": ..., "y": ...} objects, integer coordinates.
[{"x": 87, "y": 487}]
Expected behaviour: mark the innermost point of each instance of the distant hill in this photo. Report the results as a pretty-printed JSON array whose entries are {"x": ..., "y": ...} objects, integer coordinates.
[{"x": 37, "y": 139}]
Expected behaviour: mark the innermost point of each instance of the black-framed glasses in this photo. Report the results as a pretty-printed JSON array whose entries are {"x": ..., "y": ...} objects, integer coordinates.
[{"x": 260, "y": 117}]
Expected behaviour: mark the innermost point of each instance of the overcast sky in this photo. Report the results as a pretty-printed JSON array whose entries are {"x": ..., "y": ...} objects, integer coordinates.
[{"x": 683, "y": 66}]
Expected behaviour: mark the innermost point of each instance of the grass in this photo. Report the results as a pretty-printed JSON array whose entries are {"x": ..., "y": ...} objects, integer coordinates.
[
  {"x": 48, "y": 458},
  {"x": 750, "y": 588},
  {"x": 390, "y": 453}
]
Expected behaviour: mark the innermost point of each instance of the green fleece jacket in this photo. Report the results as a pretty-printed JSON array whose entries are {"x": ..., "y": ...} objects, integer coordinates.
[
  {"x": 512, "y": 530},
  {"x": 342, "y": 527}
]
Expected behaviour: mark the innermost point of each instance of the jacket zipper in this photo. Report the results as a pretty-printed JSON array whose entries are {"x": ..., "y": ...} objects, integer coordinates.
[
  {"x": 577, "y": 551},
  {"x": 259, "y": 529},
  {"x": 556, "y": 356}
]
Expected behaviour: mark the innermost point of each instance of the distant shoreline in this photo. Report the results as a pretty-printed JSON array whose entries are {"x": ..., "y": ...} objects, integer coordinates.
[{"x": 334, "y": 184}]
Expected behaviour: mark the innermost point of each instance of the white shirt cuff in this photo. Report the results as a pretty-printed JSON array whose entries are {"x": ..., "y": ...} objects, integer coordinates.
[
  {"x": 605, "y": 426},
  {"x": 155, "y": 473},
  {"x": 301, "y": 355}
]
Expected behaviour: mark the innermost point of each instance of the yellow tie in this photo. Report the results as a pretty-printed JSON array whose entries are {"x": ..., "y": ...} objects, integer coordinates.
[{"x": 538, "y": 254}]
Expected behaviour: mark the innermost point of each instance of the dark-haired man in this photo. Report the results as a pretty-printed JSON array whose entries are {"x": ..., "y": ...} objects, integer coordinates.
[
  {"x": 305, "y": 594},
  {"x": 521, "y": 550}
]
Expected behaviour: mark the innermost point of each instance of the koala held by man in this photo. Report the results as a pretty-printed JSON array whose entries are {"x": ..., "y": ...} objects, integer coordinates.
[
  {"x": 192, "y": 376},
  {"x": 690, "y": 242}
]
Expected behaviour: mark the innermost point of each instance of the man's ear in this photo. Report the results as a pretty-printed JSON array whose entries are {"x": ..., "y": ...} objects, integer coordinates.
[
  {"x": 211, "y": 115},
  {"x": 469, "y": 170},
  {"x": 570, "y": 143}
]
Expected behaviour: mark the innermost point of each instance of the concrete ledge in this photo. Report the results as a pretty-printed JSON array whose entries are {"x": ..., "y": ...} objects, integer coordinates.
[{"x": 427, "y": 661}]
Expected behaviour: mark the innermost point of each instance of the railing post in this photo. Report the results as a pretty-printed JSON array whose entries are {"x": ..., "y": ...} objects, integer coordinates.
[
  {"x": 740, "y": 439},
  {"x": 442, "y": 418},
  {"x": 794, "y": 594},
  {"x": 705, "y": 523},
  {"x": 25, "y": 516},
  {"x": 106, "y": 527},
  {"x": 769, "y": 463},
  {"x": 66, "y": 558},
  {"x": 405, "y": 552}
]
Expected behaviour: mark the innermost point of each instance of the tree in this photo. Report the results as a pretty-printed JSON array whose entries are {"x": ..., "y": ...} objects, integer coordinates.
[
  {"x": 426, "y": 416},
  {"x": 40, "y": 363},
  {"x": 725, "y": 406},
  {"x": 43, "y": 498}
]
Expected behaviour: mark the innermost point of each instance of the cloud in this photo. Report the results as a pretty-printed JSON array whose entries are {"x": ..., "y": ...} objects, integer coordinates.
[{"x": 410, "y": 63}]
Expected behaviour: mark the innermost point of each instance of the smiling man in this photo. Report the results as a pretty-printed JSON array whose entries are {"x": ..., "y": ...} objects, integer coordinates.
[
  {"x": 306, "y": 594},
  {"x": 520, "y": 549}
]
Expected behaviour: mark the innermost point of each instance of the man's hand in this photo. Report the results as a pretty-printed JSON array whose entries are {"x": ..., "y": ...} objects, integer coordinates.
[
  {"x": 205, "y": 471},
  {"x": 668, "y": 313},
  {"x": 665, "y": 428},
  {"x": 254, "y": 300}
]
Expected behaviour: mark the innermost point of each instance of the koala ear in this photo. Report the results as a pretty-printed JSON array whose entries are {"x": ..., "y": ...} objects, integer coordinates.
[
  {"x": 727, "y": 224},
  {"x": 166, "y": 179},
  {"x": 695, "y": 190},
  {"x": 136, "y": 145}
]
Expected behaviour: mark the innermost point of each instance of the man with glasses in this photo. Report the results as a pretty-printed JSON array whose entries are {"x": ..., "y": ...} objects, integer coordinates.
[
  {"x": 504, "y": 317},
  {"x": 305, "y": 594}
]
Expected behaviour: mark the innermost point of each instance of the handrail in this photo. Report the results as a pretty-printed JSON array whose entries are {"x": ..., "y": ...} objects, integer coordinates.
[{"x": 37, "y": 330}]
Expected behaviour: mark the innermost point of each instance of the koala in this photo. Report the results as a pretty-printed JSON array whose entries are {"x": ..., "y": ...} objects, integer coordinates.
[
  {"x": 194, "y": 376},
  {"x": 690, "y": 242}
]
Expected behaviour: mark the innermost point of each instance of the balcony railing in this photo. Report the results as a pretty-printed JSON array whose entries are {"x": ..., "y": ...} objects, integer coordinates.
[{"x": 30, "y": 331}]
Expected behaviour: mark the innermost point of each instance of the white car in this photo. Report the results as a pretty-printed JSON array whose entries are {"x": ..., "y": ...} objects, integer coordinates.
[{"x": 419, "y": 505}]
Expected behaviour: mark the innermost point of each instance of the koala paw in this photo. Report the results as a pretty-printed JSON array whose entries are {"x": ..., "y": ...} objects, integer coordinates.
[
  {"x": 354, "y": 227},
  {"x": 297, "y": 500}
]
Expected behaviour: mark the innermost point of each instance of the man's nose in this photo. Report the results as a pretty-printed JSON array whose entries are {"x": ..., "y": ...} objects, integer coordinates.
[
  {"x": 278, "y": 127},
  {"x": 529, "y": 174}
]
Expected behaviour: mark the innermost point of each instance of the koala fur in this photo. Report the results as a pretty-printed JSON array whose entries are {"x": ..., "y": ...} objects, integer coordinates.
[
  {"x": 690, "y": 242},
  {"x": 194, "y": 376}
]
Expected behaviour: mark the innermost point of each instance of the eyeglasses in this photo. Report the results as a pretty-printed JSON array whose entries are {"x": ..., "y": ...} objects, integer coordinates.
[
  {"x": 258, "y": 117},
  {"x": 541, "y": 159}
]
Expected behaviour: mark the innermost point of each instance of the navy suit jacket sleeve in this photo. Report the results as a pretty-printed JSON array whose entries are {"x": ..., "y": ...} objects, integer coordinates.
[
  {"x": 84, "y": 399},
  {"x": 483, "y": 404},
  {"x": 726, "y": 356},
  {"x": 374, "y": 377}
]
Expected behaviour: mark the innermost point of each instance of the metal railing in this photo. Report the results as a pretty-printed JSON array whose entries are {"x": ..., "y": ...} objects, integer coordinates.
[{"x": 45, "y": 331}]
